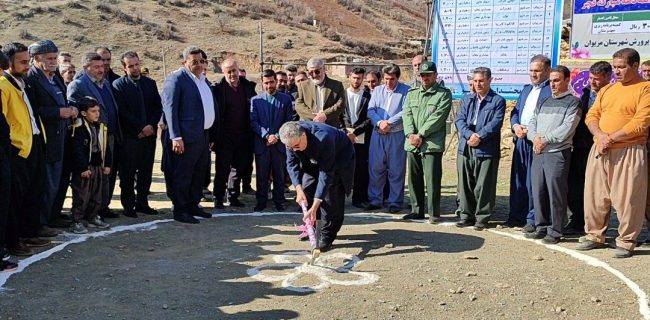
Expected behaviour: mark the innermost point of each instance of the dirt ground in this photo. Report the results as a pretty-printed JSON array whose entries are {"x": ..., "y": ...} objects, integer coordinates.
[{"x": 243, "y": 265}]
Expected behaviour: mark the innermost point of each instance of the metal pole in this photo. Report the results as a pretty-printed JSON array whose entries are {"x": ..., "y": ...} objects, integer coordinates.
[
  {"x": 429, "y": 25},
  {"x": 162, "y": 49},
  {"x": 261, "y": 49}
]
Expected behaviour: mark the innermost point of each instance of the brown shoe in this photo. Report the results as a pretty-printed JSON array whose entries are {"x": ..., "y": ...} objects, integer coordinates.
[
  {"x": 36, "y": 242},
  {"x": 21, "y": 250},
  {"x": 47, "y": 232}
]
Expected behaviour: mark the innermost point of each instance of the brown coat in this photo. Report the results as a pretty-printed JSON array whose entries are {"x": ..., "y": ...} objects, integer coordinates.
[{"x": 333, "y": 107}]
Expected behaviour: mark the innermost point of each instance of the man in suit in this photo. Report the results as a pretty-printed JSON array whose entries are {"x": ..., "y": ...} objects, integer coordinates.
[
  {"x": 600, "y": 74},
  {"x": 269, "y": 111},
  {"x": 322, "y": 99},
  {"x": 387, "y": 155},
  {"x": 190, "y": 111},
  {"x": 359, "y": 129},
  {"x": 26, "y": 156},
  {"x": 139, "y": 117},
  {"x": 47, "y": 94},
  {"x": 479, "y": 125},
  {"x": 233, "y": 140},
  {"x": 522, "y": 211},
  {"x": 320, "y": 161},
  {"x": 93, "y": 83}
]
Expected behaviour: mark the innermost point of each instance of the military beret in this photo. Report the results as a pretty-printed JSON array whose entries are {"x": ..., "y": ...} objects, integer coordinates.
[{"x": 42, "y": 47}]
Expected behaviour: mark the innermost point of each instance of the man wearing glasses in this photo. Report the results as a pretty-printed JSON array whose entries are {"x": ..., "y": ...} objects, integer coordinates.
[
  {"x": 320, "y": 161},
  {"x": 190, "y": 111},
  {"x": 322, "y": 99}
]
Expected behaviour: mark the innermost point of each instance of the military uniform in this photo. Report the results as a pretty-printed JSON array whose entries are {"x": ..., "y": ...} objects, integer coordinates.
[{"x": 425, "y": 114}]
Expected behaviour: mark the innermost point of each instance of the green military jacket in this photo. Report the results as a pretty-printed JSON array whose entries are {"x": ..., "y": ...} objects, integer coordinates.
[{"x": 425, "y": 113}]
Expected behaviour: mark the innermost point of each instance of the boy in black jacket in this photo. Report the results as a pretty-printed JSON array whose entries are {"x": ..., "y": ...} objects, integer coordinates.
[{"x": 91, "y": 166}]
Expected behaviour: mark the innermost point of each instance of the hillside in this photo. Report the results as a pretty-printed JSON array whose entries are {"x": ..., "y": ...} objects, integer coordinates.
[{"x": 373, "y": 29}]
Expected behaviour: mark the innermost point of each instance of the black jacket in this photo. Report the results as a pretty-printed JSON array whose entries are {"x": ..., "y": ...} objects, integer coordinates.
[
  {"x": 583, "y": 139},
  {"x": 81, "y": 145},
  {"x": 5, "y": 141},
  {"x": 363, "y": 123},
  {"x": 139, "y": 107},
  {"x": 42, "y": 98},
  {"x": 219, "y": 90}
]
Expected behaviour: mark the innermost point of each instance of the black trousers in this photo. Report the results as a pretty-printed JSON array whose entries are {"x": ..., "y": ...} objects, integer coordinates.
[
  {"x": 233, "y": 152},
  {"x": 5, "y": 195},
  {"x": 576, "y": 194},
  {"x": 66, "y": 174},
  {"x": 360, "y": 186},
  {"x": 271, "y": 162},
  {"x": 184, "y": 174},
  {"x": 136, "y": 164},
  {"x": 116, "y": 153},
  {"x": 332, "y": 208},
  {"x": 26, "y": 191}
]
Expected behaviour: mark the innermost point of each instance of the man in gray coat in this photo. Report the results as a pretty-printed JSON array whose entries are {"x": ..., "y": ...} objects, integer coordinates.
[{"x": 551, "y": 131}]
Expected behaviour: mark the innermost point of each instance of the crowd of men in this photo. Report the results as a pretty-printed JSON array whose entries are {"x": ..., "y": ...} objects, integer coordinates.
[{"x": 585, "y": 152}]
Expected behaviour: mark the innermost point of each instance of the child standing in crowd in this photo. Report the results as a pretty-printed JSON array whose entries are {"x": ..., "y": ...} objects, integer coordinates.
[{"x": 92, "y": 166}]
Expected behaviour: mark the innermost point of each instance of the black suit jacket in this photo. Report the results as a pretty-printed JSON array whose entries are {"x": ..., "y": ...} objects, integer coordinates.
[
  {"x": 363, "y": 123},
  {"x": 583, "y": 139},
  {"x": 139, "y": 107},
  {"x": 42, "y": 98},
  {"x": 219, "y": 90},
  {"x": 5, "y": 141}
]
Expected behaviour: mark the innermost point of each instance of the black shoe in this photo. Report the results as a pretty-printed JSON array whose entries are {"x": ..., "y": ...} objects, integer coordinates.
[
  {"x": 146, "y": 210},
  {"x": 130, "y": 213},
  {"x": 464, "y": 223},
  {"x": 413, "y": 216},
  {"x": 108, "y": 213},
  {"x": 218, "y": 204},
  {"x": 47, "y": 232},
  {"x": 325, "y": 246},
  {"x": 259, "y": 208},
  {"x": 371, "y": 207},
  {"x": 550, "y": 240},
  {"x": 59, "y": 222},
  {"x": 248, "y": 190},
  {"x": 479, "y": 226},
  {"x": 198, "y": 212},
  {"x": 360, "y": 205},
  {"x": 21, "y": 250},
  {"x": 185, "y": 218},
  {"x": 279, "y": 207},
  {"x": 234, "y": 202},
  {"x": 394, "y": 209},
  {"x": 528, "y": 228},
  {"x": 8, "y": 266},
  {"x": 535, "y": 235},
  {"x": 513, "y": 224}
]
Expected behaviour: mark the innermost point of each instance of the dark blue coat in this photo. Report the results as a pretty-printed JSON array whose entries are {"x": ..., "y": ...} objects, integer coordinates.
[
  {"x": 261, "y": 122},
  {"x": 43, "y": 98},
  {"x": 84, "y": 86},
  {"x": 139, "y": 107},
  {"x": 183, "y": 107},
  {"x": 329, "y": 153},
  {"x": 515, "y": 115},
  {"x": 488, "y": 123}
]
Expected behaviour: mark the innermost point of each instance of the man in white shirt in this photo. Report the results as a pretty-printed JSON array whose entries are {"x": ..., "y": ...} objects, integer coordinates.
[
  {"x": 359, "y": 128},
  {"x": 522, "y": 211},
  {"x": 190, "y": 111}
]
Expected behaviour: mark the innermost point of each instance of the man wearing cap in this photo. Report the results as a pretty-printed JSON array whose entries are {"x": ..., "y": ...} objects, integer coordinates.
[
  {"x": 47, "y": 94},
  {"x": 27, "y": 155},
  {"x": 425, "y": 113}
]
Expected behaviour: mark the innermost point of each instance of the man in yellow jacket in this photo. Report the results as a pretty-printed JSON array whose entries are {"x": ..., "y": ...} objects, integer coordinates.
[{"x": 26, "y": 155}]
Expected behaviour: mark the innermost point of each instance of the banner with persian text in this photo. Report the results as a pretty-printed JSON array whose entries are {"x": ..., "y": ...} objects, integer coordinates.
[
  {"x": 601, "y": 27},
  {"x": 500, "y": 34}
]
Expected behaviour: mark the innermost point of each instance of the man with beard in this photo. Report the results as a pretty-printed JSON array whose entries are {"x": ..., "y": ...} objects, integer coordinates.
[
  {"x": 139, "y": 122},
  {"x": 322, "y": 99},
  {"x": 27, "y": 155}
]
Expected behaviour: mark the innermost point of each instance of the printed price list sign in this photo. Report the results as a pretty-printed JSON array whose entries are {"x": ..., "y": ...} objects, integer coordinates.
[{"x": 500, "y": 34}]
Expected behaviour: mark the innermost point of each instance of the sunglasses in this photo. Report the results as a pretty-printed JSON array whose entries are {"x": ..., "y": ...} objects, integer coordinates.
[
  {"x": 316, "y": 72},
  {"x": 196, "y": 62}
]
